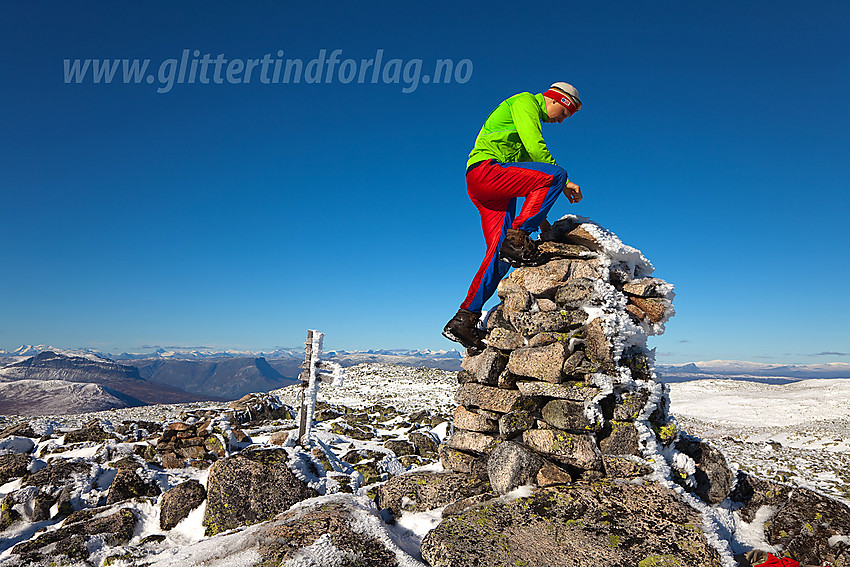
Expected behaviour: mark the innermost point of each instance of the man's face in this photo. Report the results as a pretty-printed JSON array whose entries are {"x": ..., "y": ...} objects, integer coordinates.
[{"x": 556, "y": 112}]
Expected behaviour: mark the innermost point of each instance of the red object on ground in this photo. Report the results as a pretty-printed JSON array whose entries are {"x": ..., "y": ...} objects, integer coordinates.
[{"x": 774, "y": 561}]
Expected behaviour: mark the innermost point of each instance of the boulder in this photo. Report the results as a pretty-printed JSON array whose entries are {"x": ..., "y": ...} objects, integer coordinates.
[
  {"x": 643, "y": 287},
  {"x": 71, "y": 538},
  {"x": 635, "y": 311},
  {"x": 511, "y": 465},
  {"x": 713, "y": 476},
  {"x": 421, "y": 491},
  {"x": 553, "y": 250},
  {"x": 577, "y": 391},
  {"x": 259, "y": 406},
  {"x": 506, "y": 287},
  {"x": 513, "y": 423},
  {"x": 331, "y": 533},
  {"x": 91, "y": 431},
  {"x": 623, "y": 440},
  {"x": 518, "y": 301},
  {"x": 630, "y": 404},
  {"x": 21, "y": 429},
  {"x": 473, "y": 421},
  {"x": 588, "y": 524},
  {"x": 535, "y": 280},
  {"x": 577, "y": 365},
  {"x": 567, "y": 414},
  {"x": 57, "y": 473},
  {"x": 471, "y": 441},
  {"x": 13, "y": 465},
  {"x": 654, "y": 308},
  {"x": 507, "y": 380},
  {"x": 127, "y": 484},
  {"x": 497, "y": 320},
  {"x": 546, "y": 305},
  {"x": 464, "y": 503},
  {"x": 542, "y": 363},
  {"x": 170, "y": 460},
  {"x": 578, "y": 450},
  {"x": 8, "y": 515},
  {"x": 574, "y": 293},
  {"x": 179, "y": 501},
  {"x": 504, "y": 339},
  {"x": 623, "y": 466},
  {"x": 486, "y": 367},
  {"x": 530, "y": 324},
  {"x": 475, "y": 395},
  {"x": 639, "y": 363},
  {"x": 598, "y": 348},
  {"x": 550, "y": 475},
  {"x": 547, "y": 338},
  {"x": 581, "y": 237},
  {"x": 584, "y": 269},
  {"x": 423, "y": 442},
  {"x": 30, "y": 503},
  {"x": 250, "y": 487},
  {"x": 463, "y": 462}
]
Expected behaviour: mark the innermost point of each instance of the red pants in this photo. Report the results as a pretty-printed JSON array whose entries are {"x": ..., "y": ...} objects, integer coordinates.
[{"x": 493, "y": 188}]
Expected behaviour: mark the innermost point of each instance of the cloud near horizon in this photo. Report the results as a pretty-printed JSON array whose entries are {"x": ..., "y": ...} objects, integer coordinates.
[{"x": 829, "y": 353}]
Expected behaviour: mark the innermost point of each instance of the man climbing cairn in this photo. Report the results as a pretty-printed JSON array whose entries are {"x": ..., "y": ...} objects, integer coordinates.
[{"x": 510, "y": 160}]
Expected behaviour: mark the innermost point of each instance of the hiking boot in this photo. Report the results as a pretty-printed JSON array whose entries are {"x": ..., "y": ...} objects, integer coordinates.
[
  {"x": 518, "y": 249},
  {"x": 462, "y": 328}
]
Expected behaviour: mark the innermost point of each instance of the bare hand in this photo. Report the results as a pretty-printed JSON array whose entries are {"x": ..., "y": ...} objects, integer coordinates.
[{"x": 573, "y": 192}]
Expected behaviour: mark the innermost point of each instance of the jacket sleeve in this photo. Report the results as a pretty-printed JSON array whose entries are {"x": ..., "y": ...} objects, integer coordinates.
[{"x": 526, "y": 116}]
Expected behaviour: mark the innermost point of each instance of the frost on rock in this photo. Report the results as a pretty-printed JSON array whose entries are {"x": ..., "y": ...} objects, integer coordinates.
[{"x": 609, "y": 417}]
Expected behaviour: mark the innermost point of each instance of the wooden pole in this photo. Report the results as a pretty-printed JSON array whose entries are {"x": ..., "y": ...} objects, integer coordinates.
[{"x": 305, "y": 381}]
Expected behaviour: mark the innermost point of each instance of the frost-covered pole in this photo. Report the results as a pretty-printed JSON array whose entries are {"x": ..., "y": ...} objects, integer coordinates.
[{"x": 311, "y": 379}]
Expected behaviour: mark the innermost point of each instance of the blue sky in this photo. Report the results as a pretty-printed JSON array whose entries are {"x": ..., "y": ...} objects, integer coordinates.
[{"x": 714, "y": 137}]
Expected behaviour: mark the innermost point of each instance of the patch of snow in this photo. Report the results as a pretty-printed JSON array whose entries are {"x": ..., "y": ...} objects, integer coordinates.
[
  {"x": 190, "y": 529},
  {"x": 15, "y": 444},
  {"x": 420, "y": 523},
  {"x": 440, "y": 431},
  {"x": 321, "y": 552},
  {"x": 751, "y": 536}
]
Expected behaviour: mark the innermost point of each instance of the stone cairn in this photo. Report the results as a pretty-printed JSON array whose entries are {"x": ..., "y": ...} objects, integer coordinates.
[{"x": 565, "y": 389}]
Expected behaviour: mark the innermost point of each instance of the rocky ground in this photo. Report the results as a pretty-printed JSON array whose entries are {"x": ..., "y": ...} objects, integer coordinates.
[
  {"x": 150, "y": 485},
  {"x": 140, "y": 525},
  {"x": 791, "y": 454},
  {"x": 797, "y": 432}
]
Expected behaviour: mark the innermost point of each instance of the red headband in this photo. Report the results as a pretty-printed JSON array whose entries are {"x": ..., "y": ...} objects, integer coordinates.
[{"x": 564, "y": 100}]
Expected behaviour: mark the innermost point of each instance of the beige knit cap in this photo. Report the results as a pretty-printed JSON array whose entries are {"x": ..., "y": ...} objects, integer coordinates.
[{"x": 568, "y": 89}]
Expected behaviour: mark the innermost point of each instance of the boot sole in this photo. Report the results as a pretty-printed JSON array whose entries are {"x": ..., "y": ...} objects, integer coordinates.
[
  {"x": 473, "y": 349},
  {"x": 519, "y": 263}
]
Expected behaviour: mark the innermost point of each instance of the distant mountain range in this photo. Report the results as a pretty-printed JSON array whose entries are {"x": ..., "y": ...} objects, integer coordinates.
[
  {"x": 427, "y": 357},
  {"x": 57, "y": 383},
  {"x": 753, "y": 371},
  {"x": 42, "y": 380}
]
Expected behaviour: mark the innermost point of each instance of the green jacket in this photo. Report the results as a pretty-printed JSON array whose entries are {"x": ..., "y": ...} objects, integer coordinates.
[{"x": 512, "y": 132}]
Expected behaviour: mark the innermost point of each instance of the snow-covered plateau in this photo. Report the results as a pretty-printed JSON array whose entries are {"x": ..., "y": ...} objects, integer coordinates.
[{"x": 797, "y": 432}]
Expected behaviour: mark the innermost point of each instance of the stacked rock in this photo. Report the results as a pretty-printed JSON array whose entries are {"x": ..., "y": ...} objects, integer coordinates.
[{"x": 566, "y": 380}]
